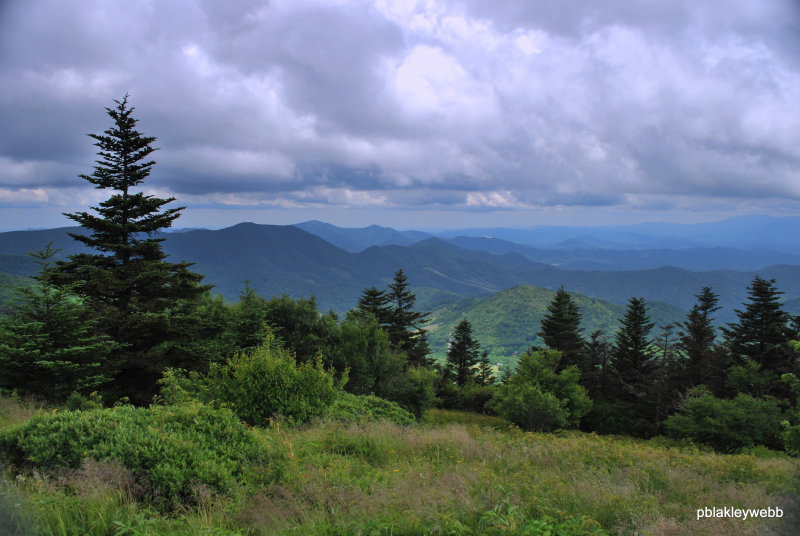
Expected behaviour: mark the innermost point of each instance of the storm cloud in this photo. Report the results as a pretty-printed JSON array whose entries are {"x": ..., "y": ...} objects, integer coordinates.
[{"x": 474, "y": 105}]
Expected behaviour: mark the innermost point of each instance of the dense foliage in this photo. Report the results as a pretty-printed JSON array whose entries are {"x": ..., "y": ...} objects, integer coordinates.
[
  {"x": 539, "y": 398},
  {"x": 50, "y": 345},
  {"x": 259, "y": 386},
  {"x": 352, "y": 408},
  {"x": 728, "y": 425},
  {"x": 165, "y": 451}
]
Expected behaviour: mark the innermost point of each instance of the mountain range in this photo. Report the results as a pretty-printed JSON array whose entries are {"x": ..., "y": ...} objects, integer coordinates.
[{"x": 292, "y": 260}]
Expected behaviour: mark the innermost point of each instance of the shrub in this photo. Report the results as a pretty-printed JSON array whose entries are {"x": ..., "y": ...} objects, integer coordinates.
[
  {"x": 727, "y": 425},
  {"x": 364, "y": 408},
  {"x": 170, "y": 450},
  {"x": 268, "y": 383},
  {"x": 536, "y": 398},
  {"x": 258, "y": 386},
  {"x": 413, "y": 390},
  {"x": 791, "y": 438},
  {"x": 471, "y": 396}
]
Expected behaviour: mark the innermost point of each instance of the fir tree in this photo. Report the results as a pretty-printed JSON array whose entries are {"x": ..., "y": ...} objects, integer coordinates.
[
  {"x": 633, "y": 362},
  {"x": 666, "y": 374},
  {"x": 146, "y": 303},
  {"x": 49, "y": 344},
  {"x": 599, "y": 370},
  {"x": 462, "y": 353},
  {"x": 376, "y": 302},
  {"x": 633, "y": 353},
  {"x": 561, "y": 330},
  {"x": 485, "y": 371},
  {"x": 696, "y": 342},
  {"x": 763, "y": 332},
  {"x": 405, "y": 325},
  {"x": 249, "y": 319}
]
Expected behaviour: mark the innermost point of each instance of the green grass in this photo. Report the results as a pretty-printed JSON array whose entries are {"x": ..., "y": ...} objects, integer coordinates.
[
  {"x": 456, "y": 473},
  {"x": 435, "y": 417}
]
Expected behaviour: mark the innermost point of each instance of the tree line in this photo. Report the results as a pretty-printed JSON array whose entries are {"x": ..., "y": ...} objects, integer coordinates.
[{"x": 118, "y": 318}]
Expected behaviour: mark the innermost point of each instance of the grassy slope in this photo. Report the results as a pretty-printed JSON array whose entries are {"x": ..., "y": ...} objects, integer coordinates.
[
  {"x": 475, "y": 478},
  {"x": 507, "y": 322}
]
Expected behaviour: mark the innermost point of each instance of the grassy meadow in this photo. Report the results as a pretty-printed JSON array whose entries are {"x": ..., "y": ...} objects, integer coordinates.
[{"x": 453, "y": 474}]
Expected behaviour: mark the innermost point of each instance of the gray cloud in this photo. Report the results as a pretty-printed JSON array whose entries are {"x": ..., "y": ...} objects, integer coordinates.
[{"x": 498, "y": 105}]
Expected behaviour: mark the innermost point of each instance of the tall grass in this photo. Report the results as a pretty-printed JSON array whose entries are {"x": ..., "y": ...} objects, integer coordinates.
[
  {"x": 14, "y": 410},
  {"x": 441, "y": 477}
]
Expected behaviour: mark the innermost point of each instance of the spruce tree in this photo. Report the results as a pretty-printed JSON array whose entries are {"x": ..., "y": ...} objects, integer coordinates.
[
  {"x": 462, "y": 353},
  {"x": 633, "y": 362},
  {"x": 249, "y": 319},
  {"x": 50, "y": 345},
  {"x": 561, "y": 330},
  {"x": 405, "y": 326},
  {"x": 633, "y": 353},
  {"x": 763, "y": 332},
  {"x": 145, "y": 302},
  {"x": 485, "y": 371},
  {"x": 376, "y": 302},
  {"x": 599, "y": 369},
  {"x": 666, "y": 374},
  {"x": 696, "y": 343}
]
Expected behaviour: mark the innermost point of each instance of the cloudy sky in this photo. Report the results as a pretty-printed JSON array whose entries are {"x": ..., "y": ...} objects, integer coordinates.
[{"x": 412, "y": 114}]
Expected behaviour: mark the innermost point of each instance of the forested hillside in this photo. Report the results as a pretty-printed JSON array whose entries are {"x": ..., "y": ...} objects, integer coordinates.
[{"x": 506, "y": 322}]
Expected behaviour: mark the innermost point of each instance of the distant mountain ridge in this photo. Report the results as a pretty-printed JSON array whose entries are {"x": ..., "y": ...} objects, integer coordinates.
[
  {"x": 698, "y": 259},
  {"x": 742, "y": 232},
  {"x": 356, "y": 240},
  {"x": 286, "y": 259}
]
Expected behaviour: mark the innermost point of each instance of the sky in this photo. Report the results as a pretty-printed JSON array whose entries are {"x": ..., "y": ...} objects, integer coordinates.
[{"x": 411, "y": 114}]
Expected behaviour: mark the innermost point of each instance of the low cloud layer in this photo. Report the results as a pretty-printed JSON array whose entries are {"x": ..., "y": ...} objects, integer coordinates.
[{"x": 472, "y": 105}]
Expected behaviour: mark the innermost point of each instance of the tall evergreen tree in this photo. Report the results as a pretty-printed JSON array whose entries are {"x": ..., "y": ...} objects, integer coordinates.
[
  {"x": 599, "y": 369},
  {"x": 462, "y": 353},
  {"x": 696, "y": 342},
  {"x": 146, "y": 303},
  {"x": 561, "y": 330},
  {"x": 249, "y": 319},
  {"x": 763, "y": 332},
  {"x": 632, "y": 355},
  {"x": 666, "y": 374},
  {"x": 634, "y": 366},
  {"x": 405, "y": 329},
  {"x": 485, "y": 371},
  {"x": 49, "y": 344},
  {"x": 376, "y": 302}
]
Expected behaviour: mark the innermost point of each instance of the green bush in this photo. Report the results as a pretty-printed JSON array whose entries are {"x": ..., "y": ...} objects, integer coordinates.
[
  {"x": 791, "y": 430},
  {"x": 470, "y": 397},
  {"x": 413, "y": 390},
  {"x": 258, "y": 386},
  {"x": 727, "y": 425},
  {"x": 527, "y": 406},
  {"x": 791, "y": 438},
  {"x": 536, "y": 398},
  {"x": 364, "y": 408},
  {"x": 170, "y": 450}
]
